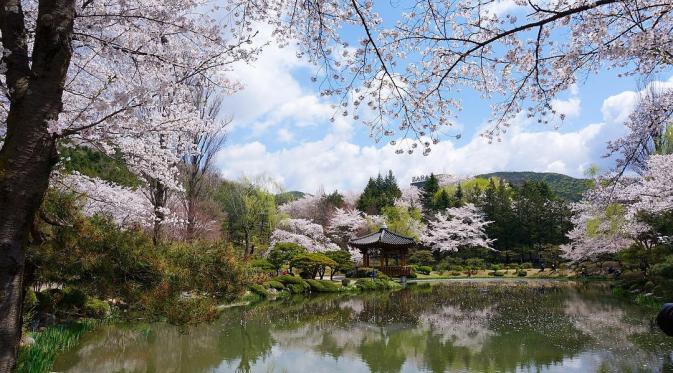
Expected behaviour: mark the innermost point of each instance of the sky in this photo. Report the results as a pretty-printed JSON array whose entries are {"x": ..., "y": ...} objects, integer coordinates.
[{"x": 281, "y": 129}]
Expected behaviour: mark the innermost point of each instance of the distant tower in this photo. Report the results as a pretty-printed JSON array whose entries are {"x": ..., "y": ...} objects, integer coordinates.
[{"x": 444, "y": 179}]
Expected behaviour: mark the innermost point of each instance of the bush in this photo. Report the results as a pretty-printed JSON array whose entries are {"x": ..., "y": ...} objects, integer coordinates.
[
  {"x": 310, "y": 264},
  {"x": 96, "y": 308},
  {"x": 345, "y": 282},
  {"x": 376, "y": 284},
  {"x": 288, "y": 279},
  {"x": 495, "y": 267},
  {"x": 259, "y": 290},
  {"x": 526, "y": 265},
  {"x": 496, "y": 273},
  {"x": 73, "y": 299},
  {"x": 29, "y": 299},
  {"x": 273, "y": 284},
  {"x": 425, "y": 270},
  {"x": 262, "y": 264},
  {"x": 455, "y": 273},
  {"x": 299, "y": 288},
  {"x": 664, "y": 269},
  {"x": 323, "y": 286},
  {"x": 521, "y": 273},
  {"x": 48, "y": 300},
  {"x": 191, "y": 311}
]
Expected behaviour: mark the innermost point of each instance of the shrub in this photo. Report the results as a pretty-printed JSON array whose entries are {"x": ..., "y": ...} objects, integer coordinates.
[
  {"x": 262, "y": 264},
  {"x": 526, "y": 265},
  {"x": 664, "y": 269},
  {"x": 310, "y": 264},
  {"x": 323, "y": 286},
  {"x": 29, "y": 299},
  {"x": 259, "y": 290},
  {"x": 288, "y": 279},
  {"x": 521, "y": 273},
  {"x": 455, "y": 273},
  {"x": 376, "y": 284},
  {"x": 425, "y": 270},
  {"x": 345, "y": 282},
  {"x": 495, "y": 267},
  {"x": 72, "y": 299},
  {"x": 48, "y": 300},
  {"x": 299, "y": 288},
  {"x": 275, "y": 285},
  {"x": 191, "y": 311},
  {"x": 96, "y": 308}
]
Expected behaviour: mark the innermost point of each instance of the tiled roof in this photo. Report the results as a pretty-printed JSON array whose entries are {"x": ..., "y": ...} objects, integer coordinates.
[{"x": 383, "y": 237}]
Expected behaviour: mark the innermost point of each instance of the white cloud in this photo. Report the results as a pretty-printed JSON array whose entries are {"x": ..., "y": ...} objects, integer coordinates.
[
  {"x": 570, "y": 107},
  {"x": 336, "y": 163},
  {"x": 284, "y": 135}
]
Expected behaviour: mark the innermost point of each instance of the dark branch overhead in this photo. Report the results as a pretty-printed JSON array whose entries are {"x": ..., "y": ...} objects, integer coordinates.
[{"x": 383, "y": 239}]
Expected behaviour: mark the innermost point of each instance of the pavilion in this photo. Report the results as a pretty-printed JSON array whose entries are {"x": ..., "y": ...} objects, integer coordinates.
[{"x": 388, "y": 245}]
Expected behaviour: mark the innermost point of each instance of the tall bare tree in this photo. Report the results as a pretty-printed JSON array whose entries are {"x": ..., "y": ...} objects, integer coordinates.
[{"x": 196, "y": 164}]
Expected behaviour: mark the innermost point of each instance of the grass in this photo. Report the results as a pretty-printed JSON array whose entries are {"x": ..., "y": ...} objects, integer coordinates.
[{"x": 39, "y": 357}]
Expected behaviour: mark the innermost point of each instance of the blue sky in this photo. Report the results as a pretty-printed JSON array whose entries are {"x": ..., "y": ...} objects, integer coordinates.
[{"x": 281, "y": 129}]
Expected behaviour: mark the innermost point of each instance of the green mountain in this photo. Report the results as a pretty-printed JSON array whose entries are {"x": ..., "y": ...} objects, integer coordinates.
[
  {"x": 564, "y": 186},
  {"x": 290, "y": 196}
]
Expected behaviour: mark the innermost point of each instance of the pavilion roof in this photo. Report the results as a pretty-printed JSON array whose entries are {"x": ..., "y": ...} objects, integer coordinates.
[{"x": 382, "y": 239}]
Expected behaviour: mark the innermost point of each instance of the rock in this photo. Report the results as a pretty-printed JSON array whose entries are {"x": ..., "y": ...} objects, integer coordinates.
[{"x": 665, "y": 319}]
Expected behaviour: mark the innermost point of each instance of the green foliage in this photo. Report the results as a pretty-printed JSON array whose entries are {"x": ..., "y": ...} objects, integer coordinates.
[
  {"x": 402, "y": 220},
  {"x": 323, "y": 286},
  {"x": 664, "y": 268},
  {"x": 288, "y": 279},
  {"x": 282, "y": 253},
  {"x": 96, "y": 308},
  {"x": 73, "y": 298},
  {"x": 259, "y": 290},
  {"x": 379, "y": 193},
  {"x": 368, "y": 284},
  {"x": 428, "y": 192},
  {"x": 564, "y": 186},
  {"x": 190, "y": 311},
  {"x": 425, "y": 270},
  {"x": 310, "y": 263},
  {"x": 285, "y": 197},
  {"x": 262, "y": 264},
  {"x": 94, "y": 163},
  {"x": 422, "y": 257},
  {"x": 274, "y": 284},
  {"x": 39, "y": 357},
  {"x": 251, "y": 213},
  {"x": 343, "y": 261},
  {"x": 521, "y": 273}
]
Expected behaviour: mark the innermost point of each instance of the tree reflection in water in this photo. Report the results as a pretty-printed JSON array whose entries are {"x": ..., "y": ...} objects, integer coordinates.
[{"x": 453, "y": 326}]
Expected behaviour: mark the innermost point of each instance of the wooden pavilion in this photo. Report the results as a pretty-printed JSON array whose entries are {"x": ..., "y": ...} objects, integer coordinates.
[{"x": 388, "y": 245}]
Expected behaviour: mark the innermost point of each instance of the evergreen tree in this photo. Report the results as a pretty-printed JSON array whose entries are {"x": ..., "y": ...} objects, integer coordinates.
[
  {"x": 444, "y": 201},
  {"x": 379, "y": 193},
  {"x": 430, "y": 188},
  {"x": 458, "y": 196}
]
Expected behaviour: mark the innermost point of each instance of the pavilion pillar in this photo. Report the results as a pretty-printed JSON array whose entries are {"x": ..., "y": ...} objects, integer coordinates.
[
  {"x": 403, "y": 257},
  {"x": 365, "y": 257}
]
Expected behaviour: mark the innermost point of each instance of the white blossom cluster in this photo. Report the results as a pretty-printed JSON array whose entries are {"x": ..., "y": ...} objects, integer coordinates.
[
  {"x": 305, "y": 233},
  {"x": 457, "y": 228},
  {"x": 404, "y": 78}
]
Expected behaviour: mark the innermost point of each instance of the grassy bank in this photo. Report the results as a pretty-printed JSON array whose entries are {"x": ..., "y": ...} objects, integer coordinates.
[
  {"x": 39, "y": 356},
  {"x": 482, "y": 273}
]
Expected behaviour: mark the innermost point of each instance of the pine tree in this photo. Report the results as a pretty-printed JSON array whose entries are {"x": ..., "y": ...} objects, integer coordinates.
[
  {"x": 430, "y": 188},
  {"x": 458, "y": 196}
]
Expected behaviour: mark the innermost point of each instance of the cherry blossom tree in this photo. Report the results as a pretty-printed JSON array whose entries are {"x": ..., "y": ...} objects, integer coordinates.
[
  {"x": 304, "y": 233},
  {"x": 111, "y": 75},
  {"x": 456, "y": 228},
  {"x": 608, "y": 219},
  {"x": 401, "y": 78},
  {"x": 346, "y": 224}
]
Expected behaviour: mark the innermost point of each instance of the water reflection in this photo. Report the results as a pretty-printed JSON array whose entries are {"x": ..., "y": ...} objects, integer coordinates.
[{"x": 469, "y": 326}]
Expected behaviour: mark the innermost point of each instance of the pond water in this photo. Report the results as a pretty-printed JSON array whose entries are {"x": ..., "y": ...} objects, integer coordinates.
[{"x": 479, "y": 326}]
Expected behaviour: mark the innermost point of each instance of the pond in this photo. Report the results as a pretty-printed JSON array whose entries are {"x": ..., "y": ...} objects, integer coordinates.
[{"x": 474, "y": 326}]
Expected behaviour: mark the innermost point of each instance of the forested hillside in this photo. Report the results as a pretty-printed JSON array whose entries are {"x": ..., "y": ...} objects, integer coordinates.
[{"x": 564, "y": 186}]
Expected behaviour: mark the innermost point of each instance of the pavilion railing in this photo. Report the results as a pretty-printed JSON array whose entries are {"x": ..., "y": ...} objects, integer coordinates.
[{"x": 395, "y": 271}]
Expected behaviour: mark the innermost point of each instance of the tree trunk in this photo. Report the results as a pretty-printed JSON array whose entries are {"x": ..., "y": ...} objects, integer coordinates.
[{"x": 29, "y": 152}]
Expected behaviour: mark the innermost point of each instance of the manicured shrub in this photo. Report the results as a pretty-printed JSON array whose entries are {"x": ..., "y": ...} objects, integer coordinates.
[
  {"x": 526, "y": 265},
  {"x": 323, "y": 286},
  {"x": 288, "y": 279},
  {"x": 299, "y": 288},
  {"x": 521, "y": 273},
  {"x": 259, "y": 290},
  {"x": 345, "y": 282},
  {"x": 425, "y": 270},
  {"x": 455, "y": 273},
  {"x": 96, "y": 308},
  {"x": 273, "y": 284},
  {"x": 262, "y": 264}
]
